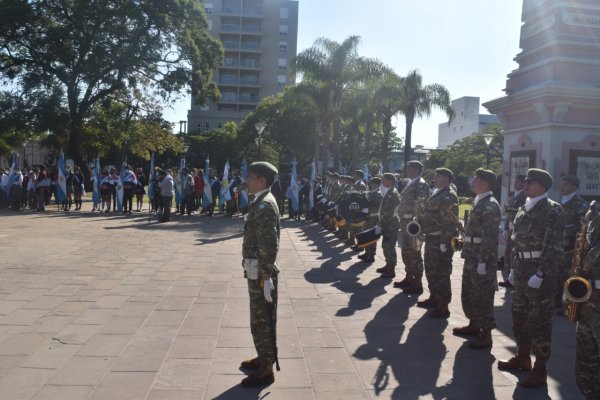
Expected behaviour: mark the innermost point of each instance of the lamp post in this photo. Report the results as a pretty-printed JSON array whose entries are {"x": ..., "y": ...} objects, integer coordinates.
[
  {"x": 183, "y": 130},
  {"x": 260, "y": 127},
  {"x": 488, "y": 137}
]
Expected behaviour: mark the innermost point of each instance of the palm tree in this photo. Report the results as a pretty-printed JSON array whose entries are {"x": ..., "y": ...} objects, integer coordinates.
[
  {"x": 417, "y": 101},
  {"x": 388, "y": 101}
]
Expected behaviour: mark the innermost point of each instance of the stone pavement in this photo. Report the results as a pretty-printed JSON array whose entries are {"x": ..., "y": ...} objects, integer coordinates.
[{"x": 106, "y": 307}]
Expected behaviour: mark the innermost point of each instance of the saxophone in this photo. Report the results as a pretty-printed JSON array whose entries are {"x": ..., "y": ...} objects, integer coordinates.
[
  {"x": 457, "y": 242},
  {"x": 577, "y": 289}
]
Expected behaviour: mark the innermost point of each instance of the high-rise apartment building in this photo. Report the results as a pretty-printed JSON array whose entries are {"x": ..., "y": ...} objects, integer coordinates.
[{"x": 260, "y": 41}]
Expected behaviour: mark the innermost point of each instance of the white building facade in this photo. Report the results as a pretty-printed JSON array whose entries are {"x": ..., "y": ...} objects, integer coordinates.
[{"x": 467, "y": 121}]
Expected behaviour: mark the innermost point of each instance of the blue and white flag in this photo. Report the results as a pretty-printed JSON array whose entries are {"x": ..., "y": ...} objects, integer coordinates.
[
  {"x": 313, "y": 180},
  {"x": 61, "y": 187},
  {"x": 244, "y": 193},
  {"x": 120, "y": 191},
  {"x": 180, "y": 183},
  {"x": 379, "y": 169},
  {"x": 225, "y": 194},
  {"x": 14, "y": 164},
  {"x": 207, "y": 195},
  {"x": 151, "y": 179},
  {"x": 293, "y": 189},
  {"x": 367, "y": 176},
  {"x": 96, "y": 184}
]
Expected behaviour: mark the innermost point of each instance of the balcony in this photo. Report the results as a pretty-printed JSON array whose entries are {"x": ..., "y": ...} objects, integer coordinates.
[
  {"x": 246, "y": 12},
  {"x": 249, "y": 81},
  {"x": 229, "y": 45},
  {"x": 249, "y": 98},
  {"x": 252, "y": 47},
  {"x": 243, "y": 81},
  {"x": 247, "y": 29}
]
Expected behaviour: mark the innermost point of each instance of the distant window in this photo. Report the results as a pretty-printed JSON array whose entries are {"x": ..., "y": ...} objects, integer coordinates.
[
  {"x": 283, "y": 47},
  {"x": 284, "y": 13},
  {"x": 208, "y": 8},
  {"x": 461, "y": 128},
  {"x": 461, "y": 113},
  {"x": 282, "y": 63},
  {"x": 199, "y": 126},
  {"x": 219, "y": 125},
  {"x": 210, "y": 25},
  {"x": 281, "y": 80},
  {"x": 283, "y": 30},
  {"x": 207, "y": 126}
]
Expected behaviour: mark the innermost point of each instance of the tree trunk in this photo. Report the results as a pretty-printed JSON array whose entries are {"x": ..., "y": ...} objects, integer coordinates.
[
  {"x": 368, "y": 137},
  {"x": 354, "y": 160},
  {"x": 407, "y": 138},
  {"x": 337, "y": 132},
  {"x": 385, "y": 142},
  {"x": 325, "y": 144},
  {"x": 318, "y": 139},
  {"x": 75, "y": 132}
]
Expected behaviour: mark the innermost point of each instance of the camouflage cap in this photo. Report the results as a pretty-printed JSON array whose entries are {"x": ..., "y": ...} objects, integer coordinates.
[
  {"x": 540, "y": 176},
  {"x": 389, "y": 176},
  {"x": 376, "y": 180},
  {"x": 360, "y": 173},
  {"x": 263, "y": 169},
  {"x": 415, "y": 164},
  {"x": 573, "y": 180},
  {"x": 445, "y": 172},
  {"x": 486, "y": 175}
]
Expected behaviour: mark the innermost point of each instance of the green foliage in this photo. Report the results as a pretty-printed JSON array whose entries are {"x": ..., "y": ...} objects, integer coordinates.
[{"x": 93, "y": 50}]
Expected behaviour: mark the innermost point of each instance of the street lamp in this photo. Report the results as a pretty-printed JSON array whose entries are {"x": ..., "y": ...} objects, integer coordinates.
[
  {"x": 183, "y": 130},
  {"x": 488, "y": 137},
  {"x": 260, "y": 127}
]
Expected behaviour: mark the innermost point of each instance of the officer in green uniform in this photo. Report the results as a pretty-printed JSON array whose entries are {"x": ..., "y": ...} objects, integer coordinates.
[
  {"x": 439, "y": 224},
  {"x": 412, "y": 202},
  {"x": 388, "y": 225},
  {"x": 375, "y": 198},
  {"x": 587, "y": 360},
  {"x": 480, "y": 253},
  {"x": 512, "y": 206},
  {"x": 260, "y": 246},
  {"x": 538, "y": 246},
  {"x": 574, "y": 207}
]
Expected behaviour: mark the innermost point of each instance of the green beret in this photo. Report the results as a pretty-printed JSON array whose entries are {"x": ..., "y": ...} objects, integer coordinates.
[
  {"x": 359, "y": 173},
  {"x": 389, "y": 176},
  {"x": 445, "y": 172},
  {"x": 415, "y": 164},
  {"x": 487, "y": 176},
  {"x": 540, "y": 176},
  {"x": 263, "y": 169},
  {"x": 376, "y": 180},
  {"x": 573, "y": 180}
]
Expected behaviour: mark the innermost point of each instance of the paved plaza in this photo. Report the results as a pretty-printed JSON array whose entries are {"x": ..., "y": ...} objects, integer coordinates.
[{"x": 107, "y": 307}]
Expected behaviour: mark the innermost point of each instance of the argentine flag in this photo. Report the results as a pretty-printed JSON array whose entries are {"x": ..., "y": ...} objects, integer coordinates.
[
  {"x": 207, "y": 195},
  {"x": 313, "y": 180},
  {"x": 244, "y": 193},
  {"x": 61, "y": 187},
  {"x": 120, "y": 191},
  {"x": 96, "y": 184},
  {"x": 180, "y": 183},
  {"x": 367, "y": 177},
  {"x": 14, "y": 164},
  {"x": 293, "y": 189},
  {"x": 151, "y": 179},
  {"x": 225, "y": 194}
]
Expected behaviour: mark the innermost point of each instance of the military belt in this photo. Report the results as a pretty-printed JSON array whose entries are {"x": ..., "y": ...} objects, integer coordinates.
[
  {"x": 529, "y": 254},
  {"x": 469, "y": 239},
  {"x": 373, "y": 214},
  {"x": 435, "y": 233},
  {"x": 404, "y": 216}
]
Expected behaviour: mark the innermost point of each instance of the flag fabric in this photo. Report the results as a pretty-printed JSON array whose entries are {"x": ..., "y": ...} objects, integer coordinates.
[
  {"x": 61, "y": 187},
  {"x": 379, "y": 169},
  {"x": 120, "y": 191},
  {"x": 207, "y": 195},
  {"x": 225, "y": 194},
  {"x": 14, "y": 164},
  {"x": 96, "y": 184},
  {"x": 367, "y": 176},
  {"x": 313, "y": 179},
  {"x": 151, "y": 179},
  {"x": 293, "y": 189},
  {"x": 244, "y": 193},
  {"x": 180, "y": 183}
]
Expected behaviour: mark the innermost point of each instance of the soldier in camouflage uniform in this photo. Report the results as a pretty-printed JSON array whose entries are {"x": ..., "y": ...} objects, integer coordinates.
[
  {"x": 412, "y": 201},
  {"x": 587, "y": 360},
  {"x": 359, "y": 185},
  {"x": 574, "y": 207},
  {"x": 480, "y": 253},
  {"x": 439, "y": 224},
  {"x": 388, "y": 225},
  {"x": 510, "y": 209},
  {"x": 260, "y": 247},
  {"x": 375, "y": 198},
  {"x": 537, "y": 237}
]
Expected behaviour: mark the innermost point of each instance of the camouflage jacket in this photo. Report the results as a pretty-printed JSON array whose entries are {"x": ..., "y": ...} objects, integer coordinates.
[
  {"x": 591, "y": 261},
  {"x": 483, "y": 224},
  {"x": 375, "y": 198},
  {"x": 388, "y": 211},
  {"x": 574, "y": 210},
  {"x": 512, "y": 207},
  {"x": 530, "y": 229},
  {"x": 436, "y": 218},
  {"x": 261, "y": 234},
  {"x": 412, "y": 200},
  {"x": 360, "y": 186}
]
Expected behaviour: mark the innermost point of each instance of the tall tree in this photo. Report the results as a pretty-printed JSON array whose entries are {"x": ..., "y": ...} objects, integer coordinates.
[
  {"x": 95, "y": 48},
  {"x": 418, "y": 100}
]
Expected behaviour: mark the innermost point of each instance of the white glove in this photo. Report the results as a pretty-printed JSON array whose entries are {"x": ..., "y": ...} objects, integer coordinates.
[
  {"x": 267, "y": 288},
  {"x": 511, "y": 277},
  {"x": 443, "y": 248},
  {"x": 535, "y": 281},
  {"x": 364, "y": 211},
  {"x": 378, "y": 230},
  {"x": 481, "y": 270}
]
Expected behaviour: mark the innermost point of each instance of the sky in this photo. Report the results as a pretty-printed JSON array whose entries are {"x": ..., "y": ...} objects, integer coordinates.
[{"x": 466, "y": 45}]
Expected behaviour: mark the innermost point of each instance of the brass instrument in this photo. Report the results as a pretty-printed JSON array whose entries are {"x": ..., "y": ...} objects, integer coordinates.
[
  {"x": 457, "y": 242},
  {"x": 577, "y": 289}
]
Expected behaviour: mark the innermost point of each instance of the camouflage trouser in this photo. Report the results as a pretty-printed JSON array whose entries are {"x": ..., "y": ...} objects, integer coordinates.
[
  {"x": 587, "y": 359},
  {"x": 388, "y": 244},
  {"x": 370, "y": 223},
  {"x": 438, "y": 268},
  {"x": 260, "y": 322},
  {"x": 562, "y": 275},
  {"x": 508, "y": 255},
  {"x": 532, "y": 309},
  {"x": 477, "y": 294},
  {"x": 411, "y": 255}
]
